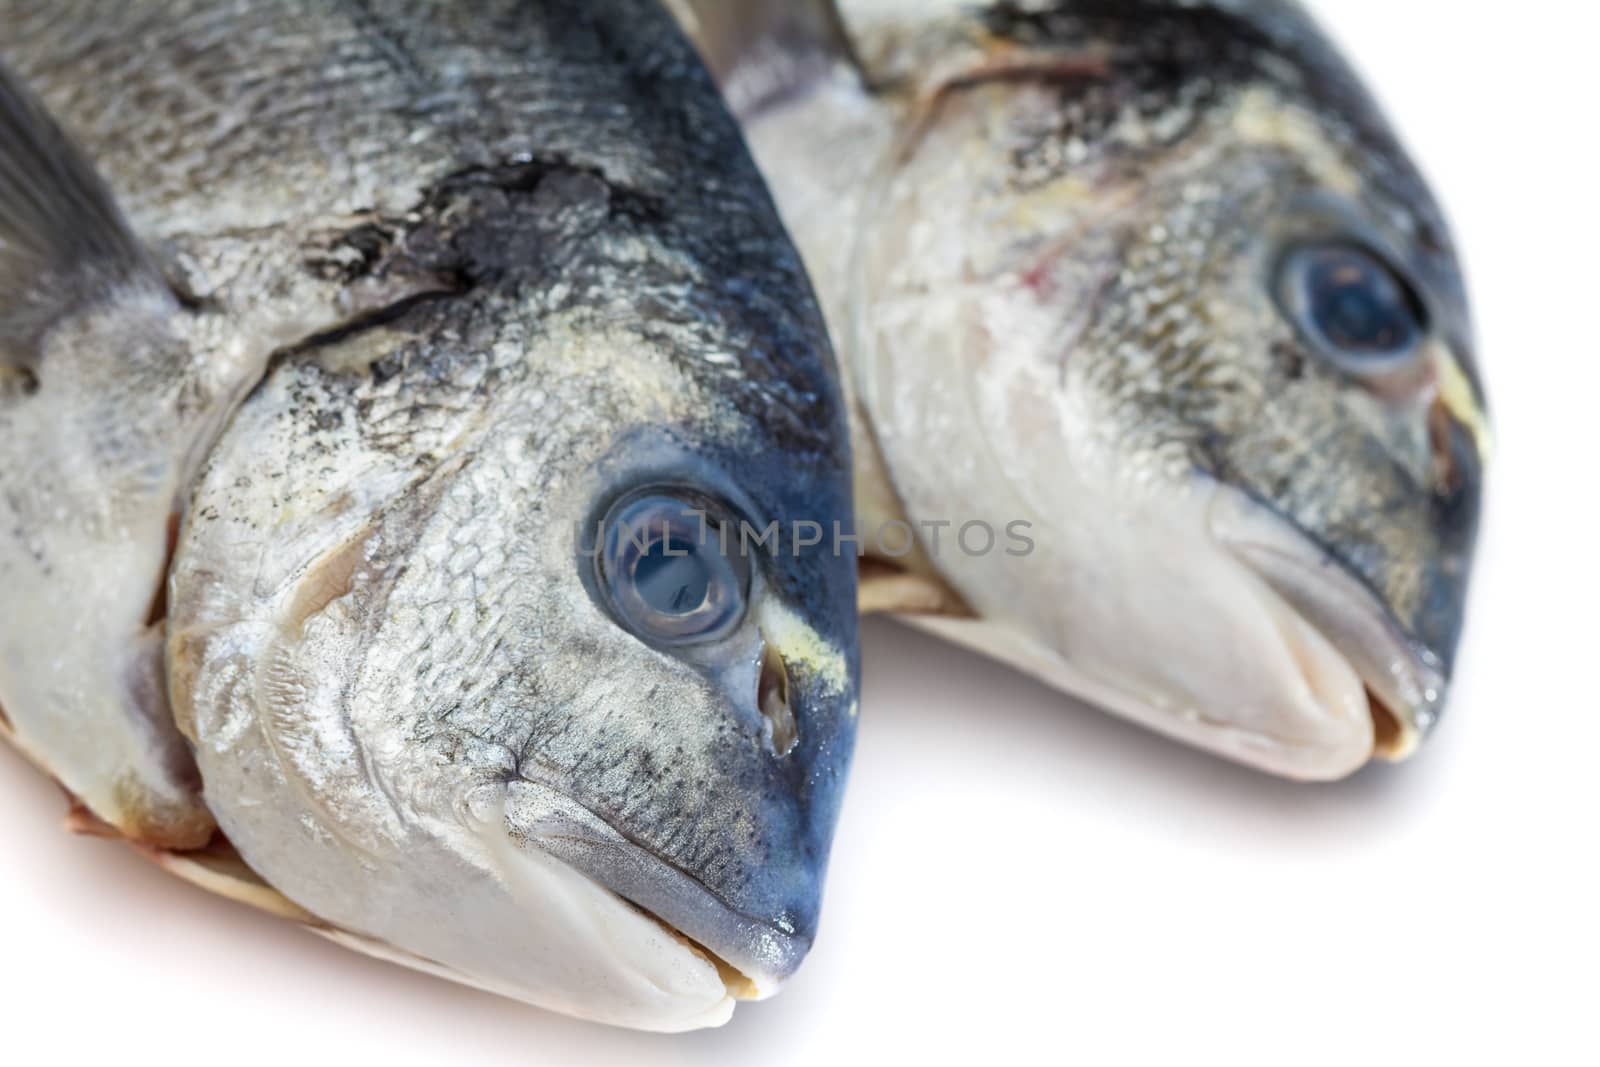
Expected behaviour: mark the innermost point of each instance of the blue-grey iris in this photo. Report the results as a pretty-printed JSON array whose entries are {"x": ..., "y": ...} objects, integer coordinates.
[
  {"x": 1352, "y": 307},
  {"x": 670, "y": 568}
]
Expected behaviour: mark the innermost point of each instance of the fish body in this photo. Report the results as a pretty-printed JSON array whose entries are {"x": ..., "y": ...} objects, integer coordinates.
[
  {"x": 1152, "y": 285},
  {"x": 342, "y": 339}
]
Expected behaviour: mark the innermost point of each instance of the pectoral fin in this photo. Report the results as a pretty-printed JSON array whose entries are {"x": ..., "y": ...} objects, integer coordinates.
[
  {"x": 761, "y": 51},
  {"x": 63, "y": 243},
  {"x": 100, "y": 415}
]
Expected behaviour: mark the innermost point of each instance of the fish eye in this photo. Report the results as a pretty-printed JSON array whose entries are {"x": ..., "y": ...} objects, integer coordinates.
[
  {"x": 1352, "y": 307},
  {"x": 668, "y": 568}
]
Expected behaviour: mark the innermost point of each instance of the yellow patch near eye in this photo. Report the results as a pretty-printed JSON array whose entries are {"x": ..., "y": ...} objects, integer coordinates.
[
  {"x": 1462, "y": 403},
  {"x": 794, "y": 639}
]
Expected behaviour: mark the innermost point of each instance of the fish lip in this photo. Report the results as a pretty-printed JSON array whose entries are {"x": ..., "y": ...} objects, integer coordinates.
[
  {"x": 1406, "y": 682},
  {"x": 754, "y": 956}
]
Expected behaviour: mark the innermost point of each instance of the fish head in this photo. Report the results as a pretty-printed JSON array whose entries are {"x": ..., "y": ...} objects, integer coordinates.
[
  {"x": 533, "y": 679},
  {"x": 1223, "y": 367},
  {"x": 685, "y": 690},
  {"x": 691, "y": 729}
]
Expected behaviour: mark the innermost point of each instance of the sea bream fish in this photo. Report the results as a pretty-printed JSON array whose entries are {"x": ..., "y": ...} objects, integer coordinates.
[
  {"x": 371, "y": 375},
  {"x": 1148, "y": 291}
]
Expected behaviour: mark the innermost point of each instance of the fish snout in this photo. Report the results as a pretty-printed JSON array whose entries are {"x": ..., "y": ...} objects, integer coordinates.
[
  {"x": 1392, "y": 625},
  {"x": 753, "y": 952},
  {"x": 730, "y": 858}
]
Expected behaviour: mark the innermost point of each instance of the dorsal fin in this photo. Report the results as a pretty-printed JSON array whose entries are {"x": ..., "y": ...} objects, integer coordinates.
[
  {"x": 63, "y": 243},
  {"x": 761, "y": 51}
]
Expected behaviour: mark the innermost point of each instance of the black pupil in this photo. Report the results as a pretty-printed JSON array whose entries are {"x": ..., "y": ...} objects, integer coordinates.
[
  {"x": 1358, "y": 305},
  {"x": 671, "y": 577}
]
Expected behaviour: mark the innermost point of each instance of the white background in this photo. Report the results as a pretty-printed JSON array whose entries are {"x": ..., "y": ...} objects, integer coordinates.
[{"x": 1016, "y": 875}]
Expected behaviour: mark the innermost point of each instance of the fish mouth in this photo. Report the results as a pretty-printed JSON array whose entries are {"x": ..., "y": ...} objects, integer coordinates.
[
  {"x": 739, "y": 985},
  {"x": 752, "y": 956},
  {"x": 1382, "y": 691}
]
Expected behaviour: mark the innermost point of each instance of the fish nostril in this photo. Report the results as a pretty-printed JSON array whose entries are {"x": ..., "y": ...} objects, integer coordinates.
[
  {"x": 772, "y": 697},
  {"x": 1457, "y": 467},
  {"x": 1441, "y": 440}
]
